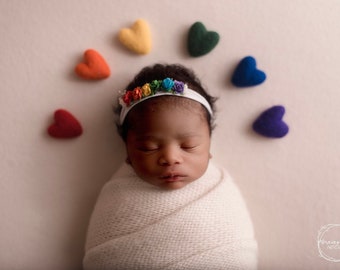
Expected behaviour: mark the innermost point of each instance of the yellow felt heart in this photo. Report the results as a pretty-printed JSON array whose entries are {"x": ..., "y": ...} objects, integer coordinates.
[{"x": 137, "y": 38}]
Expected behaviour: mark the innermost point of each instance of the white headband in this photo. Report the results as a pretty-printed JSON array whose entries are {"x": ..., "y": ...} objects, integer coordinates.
[{"x": 155, "y": 89}]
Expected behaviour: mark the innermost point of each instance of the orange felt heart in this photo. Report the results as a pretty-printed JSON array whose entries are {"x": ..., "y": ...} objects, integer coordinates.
[
  {"x": 137, "y": 38},
  {"x": 94, "y": 67},
  {"x": 65, "y": 125}
]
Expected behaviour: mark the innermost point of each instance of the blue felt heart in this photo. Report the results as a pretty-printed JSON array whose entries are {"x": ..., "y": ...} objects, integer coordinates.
[
  {"x": 270, "y": 124},
  {"x": 246, "y": 74}
]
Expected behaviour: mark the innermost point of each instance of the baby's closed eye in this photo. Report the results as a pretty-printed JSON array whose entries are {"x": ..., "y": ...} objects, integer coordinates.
[
  {"x": 188, "y": 146},
  {"x": 147, "y": 147}
]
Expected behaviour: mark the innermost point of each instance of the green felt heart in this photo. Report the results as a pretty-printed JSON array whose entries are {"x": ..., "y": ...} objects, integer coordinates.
[{"x": 201, "y": 41}]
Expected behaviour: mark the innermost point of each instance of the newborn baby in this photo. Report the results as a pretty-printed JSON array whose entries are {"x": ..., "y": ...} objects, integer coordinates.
[{"x": 169, "y": 206}]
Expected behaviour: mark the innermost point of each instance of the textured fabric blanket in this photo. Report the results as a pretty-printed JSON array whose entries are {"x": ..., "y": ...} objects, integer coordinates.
[{"x": 204, "y": 225}]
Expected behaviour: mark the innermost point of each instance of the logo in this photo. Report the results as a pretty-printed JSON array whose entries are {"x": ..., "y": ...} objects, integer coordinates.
[{"x": 329, "y": 242}]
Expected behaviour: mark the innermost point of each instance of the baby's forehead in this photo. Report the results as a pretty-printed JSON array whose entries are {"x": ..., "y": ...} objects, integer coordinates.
[
  {"x": 145, "y": 114},
  {"x": 169, "y": 103}
]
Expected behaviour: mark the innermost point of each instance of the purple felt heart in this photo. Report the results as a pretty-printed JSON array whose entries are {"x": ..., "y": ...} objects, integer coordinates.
[
  {"x": 246, "y": 74},
  {"x": 270, "y": 123}
]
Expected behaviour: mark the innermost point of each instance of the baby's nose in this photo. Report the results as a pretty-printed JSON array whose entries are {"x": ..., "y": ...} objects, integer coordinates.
[{"x": 171, "y": 155}]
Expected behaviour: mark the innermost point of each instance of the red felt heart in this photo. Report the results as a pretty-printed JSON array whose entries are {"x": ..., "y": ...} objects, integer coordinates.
[
  {"x": 65, "y": 125},
  {"x": 94, "y": 67}
]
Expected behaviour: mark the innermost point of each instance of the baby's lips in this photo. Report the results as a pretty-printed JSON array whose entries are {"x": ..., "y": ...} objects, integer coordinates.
[{"x": 172, "y": 175}]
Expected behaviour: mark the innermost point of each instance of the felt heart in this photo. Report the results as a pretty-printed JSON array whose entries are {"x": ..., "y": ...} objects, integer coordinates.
[
  {"x": 94, "y": 67},
  {"x": 270, "y": 123},
  {"x": 65, "y": 125},
  {"x": 246, "y": 74},
  {"x": 201, "y": 41},
  {"x": 137, "y": 38}
]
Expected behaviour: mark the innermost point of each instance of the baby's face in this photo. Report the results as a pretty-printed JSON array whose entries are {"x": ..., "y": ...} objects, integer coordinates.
[{"x": 169, "y": 147}]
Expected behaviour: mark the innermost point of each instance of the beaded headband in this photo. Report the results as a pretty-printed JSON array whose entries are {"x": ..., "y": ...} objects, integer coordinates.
[{"x": 157, "y": 88}]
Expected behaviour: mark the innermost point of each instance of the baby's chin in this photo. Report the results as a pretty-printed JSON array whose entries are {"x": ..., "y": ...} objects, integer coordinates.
[
  {"x": 170, "y": 185},
  {"x": 174, "y": 185}
]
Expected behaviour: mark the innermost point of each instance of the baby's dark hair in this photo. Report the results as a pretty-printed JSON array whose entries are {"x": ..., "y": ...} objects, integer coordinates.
[{"x": 160, "y": 72}]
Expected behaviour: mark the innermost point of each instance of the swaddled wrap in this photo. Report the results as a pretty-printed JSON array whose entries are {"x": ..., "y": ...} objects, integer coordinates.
[{"x": 204, "y": 225}]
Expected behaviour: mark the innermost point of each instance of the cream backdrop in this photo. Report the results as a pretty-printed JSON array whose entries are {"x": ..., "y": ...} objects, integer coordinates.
[{"x": 49, "y": 186}]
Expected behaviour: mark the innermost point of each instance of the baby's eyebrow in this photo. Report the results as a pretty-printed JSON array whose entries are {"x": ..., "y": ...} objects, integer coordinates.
[
  {"x": 145, "y": 138},
  {"x": 148, "y": 137},
  {"x": 189, "y": 135}
]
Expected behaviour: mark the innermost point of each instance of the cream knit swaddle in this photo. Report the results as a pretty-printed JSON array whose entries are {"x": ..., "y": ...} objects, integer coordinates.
[{"x": 204, "y": 225}]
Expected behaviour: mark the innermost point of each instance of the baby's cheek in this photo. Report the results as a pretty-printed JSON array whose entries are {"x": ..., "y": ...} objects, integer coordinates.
[{"x": 145, "y": 165}]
